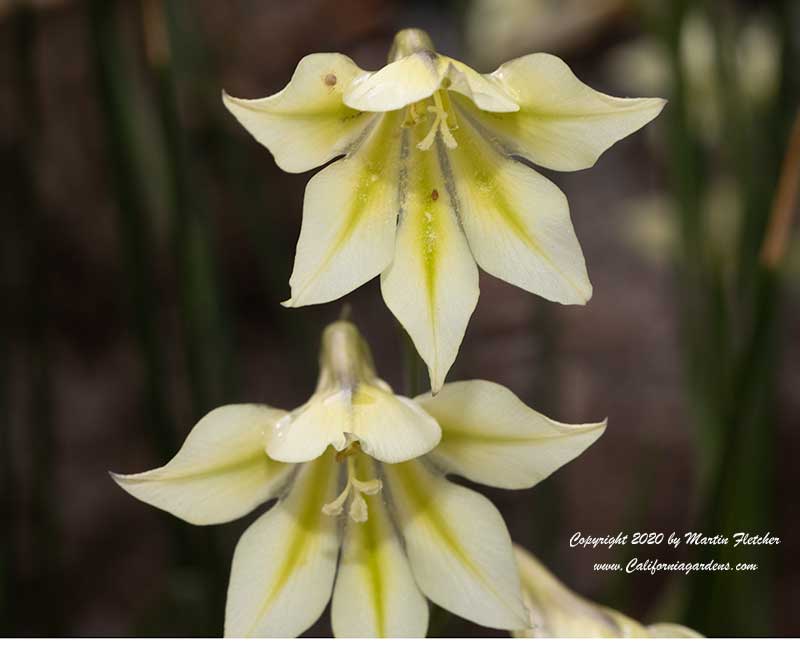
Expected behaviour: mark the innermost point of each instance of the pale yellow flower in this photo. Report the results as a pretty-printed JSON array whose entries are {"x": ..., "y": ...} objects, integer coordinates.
[
  {"x": 429, "y": 187},
  {"x": 409, "y": 533},
  {"x": 556, "y": 611}
]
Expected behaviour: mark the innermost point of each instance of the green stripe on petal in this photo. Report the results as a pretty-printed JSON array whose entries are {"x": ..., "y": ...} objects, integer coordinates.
[
  {"x": 458, "y": 545},
  {"x": 284, "y": 564},
  {"x": 349, "y": 219},
  {"x": 516, "y": 220},
  {"x": 220, "y": 473},
  {"x": 432, "y": 284},
  {"x": 562, "y": 124},
  {"x": 375, "y": 594},
  {"x": 490, "y": 436}
]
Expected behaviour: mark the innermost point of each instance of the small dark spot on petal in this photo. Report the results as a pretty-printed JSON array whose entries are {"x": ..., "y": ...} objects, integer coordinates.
[
  {"x": 435, "y": 195},
  {"x": 330, "y": 79}
]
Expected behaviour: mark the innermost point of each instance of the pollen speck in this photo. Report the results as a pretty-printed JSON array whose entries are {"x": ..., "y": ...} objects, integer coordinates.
[{"x": 330, "y": 79}]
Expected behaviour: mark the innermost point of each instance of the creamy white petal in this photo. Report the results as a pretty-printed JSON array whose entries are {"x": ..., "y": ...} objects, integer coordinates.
[
  {"x": 490, "y": 436},
  {"x": 392, "y": 428},
  {"x": 306, "y": 432},
  {"x": 484, "y": 91},
  {"x": 562, "y": 123},
  {"x": 516, "y": 220},
  {"x": 458, "y": 545},
  {"x": 220, "y": 473},
  {"x": 432, "y": 284},
  {"x": 305, "y": 124},
  {"x": 349, "y": 219},
  {"x": 397, "y": 84},
  {"x": 284, "y": 564},
  {"x": 375, "y": 593},
  {"x": 555, "y": 611}
]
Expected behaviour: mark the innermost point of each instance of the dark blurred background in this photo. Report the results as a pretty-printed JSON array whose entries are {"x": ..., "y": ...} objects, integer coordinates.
[{"x": 146, "y": 242}]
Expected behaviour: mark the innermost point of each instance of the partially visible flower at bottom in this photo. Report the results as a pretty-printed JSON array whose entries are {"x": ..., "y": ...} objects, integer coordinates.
[
  {"x": 555, "y": 611},
  {"x": 409, "y": 533}
]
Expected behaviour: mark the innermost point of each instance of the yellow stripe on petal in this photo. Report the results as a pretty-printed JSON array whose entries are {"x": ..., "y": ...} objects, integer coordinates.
[
  {"x": 489, "y": 436},
  {"x": 284, "y": 564},
  {"x": 458, "y": 545},
  {"x": 305, "y": 124},
  {"x": 349, "y": 219},
  {"x": 562, "y": 123},
  {"x": 375, "y": 594},
  {"x": 432, "y": 284},
  {"x": 220, "y": 473},
  {"x": 516, "y": 220}
]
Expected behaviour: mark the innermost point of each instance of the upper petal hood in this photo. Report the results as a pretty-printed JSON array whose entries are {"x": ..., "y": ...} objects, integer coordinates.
[
  {"x": 220, "y": 473},
  {"x": 398, "y": 84},
  {"x": 415, "y": 72},
  {"x": 484, "y": 91},
  {"x": 352, "y": 405},
  {"x": 490, "y": 436},
  {"x": 305, "y": 124}
]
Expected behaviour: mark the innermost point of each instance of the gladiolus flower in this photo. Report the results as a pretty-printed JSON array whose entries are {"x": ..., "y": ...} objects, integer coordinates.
[
  {"x": 357, "y": 449},
  {"x": 556, "y": 611},
  {"x": 429, "y": 186}
]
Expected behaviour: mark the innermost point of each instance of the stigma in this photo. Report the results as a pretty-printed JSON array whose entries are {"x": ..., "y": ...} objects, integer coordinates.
[{"x": 354, "y": 490}]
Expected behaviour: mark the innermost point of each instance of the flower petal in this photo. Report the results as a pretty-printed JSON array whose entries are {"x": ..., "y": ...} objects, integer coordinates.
[
  {"x": 490, "y": 436},
  {"x": 305, "y": 433},
  {"x": 432, "y": 284},
  {"x": 555, "y": 610},
  {"x": 349, "y": 219},
  {"x": 562, "y": 123},
  {"x": 305, "y": 124},
  {"x": 220, "y": 473},
  {"x": 516, "y": 220},
  {"x": 558, "y": 612},
  {"x": 392, "y": 428},
  {"x": 458, "y": 545},
  {"x": 375, "y": 594},
  {"x": 284, "y": 564},
  {"x": 484, "y": 91},
  {"x": 397, "y": 84}
]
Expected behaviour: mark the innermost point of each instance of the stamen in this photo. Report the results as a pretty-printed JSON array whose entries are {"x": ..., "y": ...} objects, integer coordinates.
[
  {"x": 356, "y": 488},
  {"x": 358, "y": 509},
  {"x": 440, "y": 124},
  {"x": 334, "y": 508}
]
